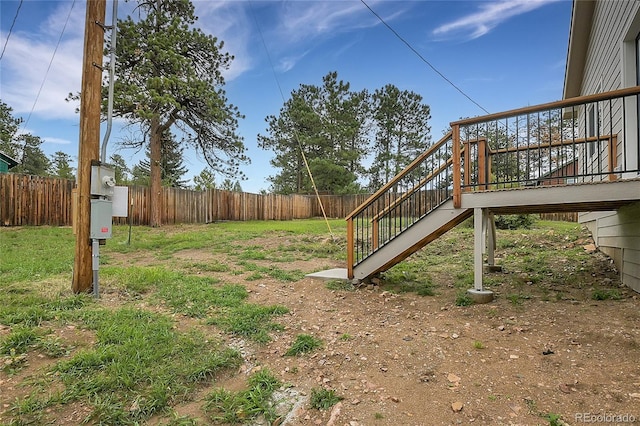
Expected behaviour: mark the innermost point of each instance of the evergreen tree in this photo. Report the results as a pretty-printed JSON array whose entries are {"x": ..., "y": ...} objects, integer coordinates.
[
  {"x": 9, "y": 126},
  {"x": 139, "y": 176},
  {"x": 121, "y": 170},
  {"x": 402, "y": 132},
  {"x": 205, "y": 180},
  {"x": 327, "y": 123},
  {"x": 24, "y": 148},
  {"x": 60, "y": 166},
  {"x": 170, "y": 76},
  {"x": 32, "y": 160},
  {"x": 171, "y": 164}
]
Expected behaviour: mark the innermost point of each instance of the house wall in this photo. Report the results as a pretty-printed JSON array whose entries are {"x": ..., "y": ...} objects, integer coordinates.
[
  {"x": 617, "y": 234},
  {"x": 608, "y": 67}
]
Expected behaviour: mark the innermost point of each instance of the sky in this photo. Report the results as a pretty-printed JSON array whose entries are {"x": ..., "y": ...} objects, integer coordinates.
[{"x": 463, "y": 57}]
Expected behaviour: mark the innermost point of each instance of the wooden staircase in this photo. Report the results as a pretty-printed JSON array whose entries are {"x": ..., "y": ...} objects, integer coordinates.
[{"x": 529, "y": 160}]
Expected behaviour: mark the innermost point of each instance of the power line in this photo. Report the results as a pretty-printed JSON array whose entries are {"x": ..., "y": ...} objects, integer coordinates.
[
  {"x": 423, "y": 59},
  {"x": 295, "y": 132},
  {"x": 10, "y": 29},
  {"x": 49, "y": 67}
]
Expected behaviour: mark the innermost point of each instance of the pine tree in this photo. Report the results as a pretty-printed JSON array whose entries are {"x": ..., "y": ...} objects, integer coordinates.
[
  {"x": 205, "y": 180},
  {"x": 24, "y": 148},
  {"x": 170, "y": 76},
  {"x": 61, "y": 167},
  {"x": 172, "y": 166},
  {"x": 32, "y": 160},
  {"x": 328, "y": 124},
  {"x": 402, "y": 132},
  {"x": 9, "y": 126},
  {"x": 121, "y": 170}
]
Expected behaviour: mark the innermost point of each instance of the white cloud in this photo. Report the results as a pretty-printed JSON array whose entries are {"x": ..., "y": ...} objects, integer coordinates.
[
  {"x": 56, "y": 141},
  {"x": 229, "y": 22},
  {"x": 286, "y": 63},
  {"x": 490, "y": 15},
  {"x": 27, "y": 58},
  {"x": 299, "y": 22},
  {"x": 282, "y": 26},
  {"x": 24, "y": 70}
]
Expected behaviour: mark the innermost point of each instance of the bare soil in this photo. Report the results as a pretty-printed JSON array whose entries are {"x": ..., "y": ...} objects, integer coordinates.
[{"x": 404, "y": 359}]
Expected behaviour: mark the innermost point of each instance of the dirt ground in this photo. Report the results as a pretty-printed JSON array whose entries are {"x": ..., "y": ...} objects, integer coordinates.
[{"x": 404, "y": 359}]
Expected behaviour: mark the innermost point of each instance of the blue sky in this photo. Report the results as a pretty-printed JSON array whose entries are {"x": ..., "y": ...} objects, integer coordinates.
[{"x": 502, "y": 54}]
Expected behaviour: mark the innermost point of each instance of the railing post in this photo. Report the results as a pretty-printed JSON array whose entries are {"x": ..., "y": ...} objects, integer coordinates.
[
  {"x": 457, "y": 187},
  {"x": 483, "y": 174},
  {"x": 350, "y": 247},
  {"x": 613, "y": 156}
]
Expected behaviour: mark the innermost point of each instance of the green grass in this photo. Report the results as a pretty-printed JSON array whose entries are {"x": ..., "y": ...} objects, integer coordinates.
[
  {"x": 152, "y": 340},
  {"x": 259, "y": 272},
  {"x": 139, "y": 360},
  {"x": 339, "y": 285},
  {"x": 304, "y": 343},
  {"x": 248, "y": 320},
  {"x": 323, "y": 399},
  {"x": 463, "y": 299},
  {"x": 605, "y": 294},
  {"x": 240, "y": 407},
  {"x": 408, "y": 277},
  {"x": 30, "y": 253}
]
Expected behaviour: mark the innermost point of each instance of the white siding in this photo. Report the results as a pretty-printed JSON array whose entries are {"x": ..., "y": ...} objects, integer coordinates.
[
  {"x": 604, "y": 64},
  {"x": 615, "y": 233},
  {"x": 618, "y": 235}
]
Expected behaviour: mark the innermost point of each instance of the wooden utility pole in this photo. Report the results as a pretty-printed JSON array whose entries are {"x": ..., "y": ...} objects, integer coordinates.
[{"x": 89, "y": 140}]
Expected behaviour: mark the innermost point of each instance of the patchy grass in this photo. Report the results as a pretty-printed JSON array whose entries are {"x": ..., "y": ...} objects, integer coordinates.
[
  {"x": 533, "y": 266},
  {"x": 605, "y": 294},
  {"x": 323, "y": 399},
  {"x": 242, "y": 406},
  {"x": 154, "y": 340},
  {"x": 141, "y": 360},
  {"x": 138, "y": 366},
  {"x": 248, "y": 320},
  {"x": 409, "y": 277},
  {"x": 258, "y": 272},
  {"x": 304, "y": 343},
  {"x": 340, "y": 285}
]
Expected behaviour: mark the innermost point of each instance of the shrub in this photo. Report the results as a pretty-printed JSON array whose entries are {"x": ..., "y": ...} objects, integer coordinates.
[{"x": 515, "y": 221}]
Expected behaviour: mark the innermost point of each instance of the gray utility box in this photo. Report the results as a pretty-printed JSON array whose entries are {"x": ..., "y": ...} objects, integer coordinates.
[
  {"x": 102, "y": 181},
  {"x": 101, "y": 223}
]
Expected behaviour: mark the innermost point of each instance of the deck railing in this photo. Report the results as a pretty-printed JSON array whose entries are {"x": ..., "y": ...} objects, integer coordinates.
[
  {"x": 578, "y": 140},
  {"x": 420, "y": 188}
]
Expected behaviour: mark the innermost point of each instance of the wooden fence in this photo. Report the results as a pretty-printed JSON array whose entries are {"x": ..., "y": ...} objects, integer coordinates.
[
  {"x": 33, "y": 200},
  {"x": 560, "y": 217}
]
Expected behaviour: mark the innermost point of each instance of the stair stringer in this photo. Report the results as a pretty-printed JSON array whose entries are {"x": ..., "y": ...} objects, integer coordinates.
[{"x": 412, "y": 239}]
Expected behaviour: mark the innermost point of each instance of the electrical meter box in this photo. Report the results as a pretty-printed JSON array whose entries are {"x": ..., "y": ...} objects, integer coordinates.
[
  {"x": 102, "y": 180},
  {"x": 120, "y": 201},
  {"x": 101, "y": 224}
]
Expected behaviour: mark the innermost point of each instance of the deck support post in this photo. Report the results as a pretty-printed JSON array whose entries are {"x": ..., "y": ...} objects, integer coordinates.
[
  {"x": 491, "y": 266},
  {"x": 491, "y": 239},
  {"x": 479, "y": 231},
  {"x": 480, "y": 221}
]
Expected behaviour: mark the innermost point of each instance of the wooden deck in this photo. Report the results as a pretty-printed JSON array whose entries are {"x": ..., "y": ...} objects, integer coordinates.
[
  {"x": 596, "y": 196},
  {"x": 581, "y": 197}
]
